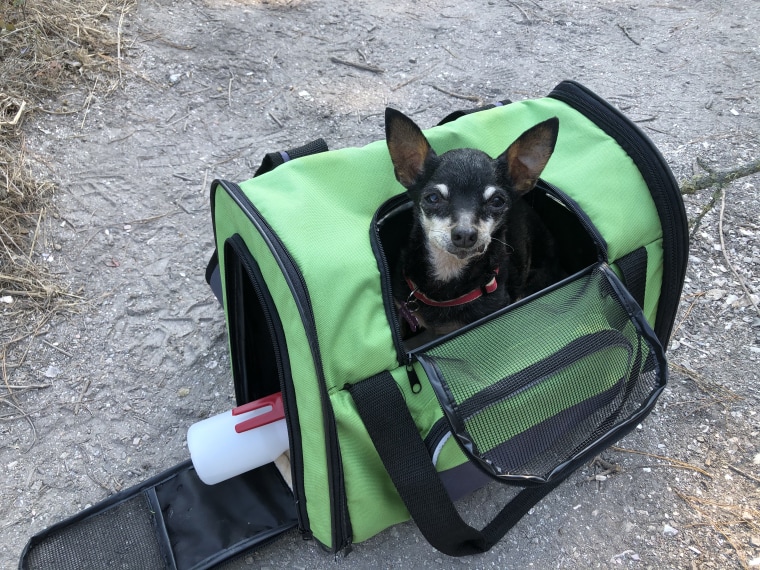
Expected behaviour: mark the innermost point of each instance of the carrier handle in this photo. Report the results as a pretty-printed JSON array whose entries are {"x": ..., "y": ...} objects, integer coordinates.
[
  {"x": 274, "y": 159},
  {"x": 407, "y": 460},
  {"x": 454, "y": 115},
  {"x": 270, "y": 161}
]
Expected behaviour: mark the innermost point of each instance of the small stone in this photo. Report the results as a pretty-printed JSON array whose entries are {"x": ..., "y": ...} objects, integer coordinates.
[
  {"x": 668, "y": 530},
  {"x": 52, "y": 371},
  {"x": 715, "y": 294},
  {"x": 183, "y": 392}
]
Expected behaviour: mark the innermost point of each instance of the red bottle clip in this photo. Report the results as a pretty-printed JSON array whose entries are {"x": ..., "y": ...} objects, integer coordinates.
[{"x": 276, "y": 413}]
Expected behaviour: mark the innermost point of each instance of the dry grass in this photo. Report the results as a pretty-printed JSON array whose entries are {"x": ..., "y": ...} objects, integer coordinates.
[{"x": 46, "y": 46}]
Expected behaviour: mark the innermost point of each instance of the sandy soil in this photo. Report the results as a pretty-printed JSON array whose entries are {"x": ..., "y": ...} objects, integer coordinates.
[{"x": 209, "y": 87}]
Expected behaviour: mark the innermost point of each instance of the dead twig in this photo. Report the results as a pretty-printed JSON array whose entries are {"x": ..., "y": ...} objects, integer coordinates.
[
  {"x": 118, "y": 39},
  {"x": 362, "y": 66},
  {"x": 725, "y": 254},
  {"x": 709, "y": 206},
  {"x": 719, "y": 177},
  {"x": 716, "y": 391},
  {"x": 686, "y": 313},
  {"x": 523, "y": 12},
  {"x": 744, "y": 474},
  {"x": 58, "y": 348},
  {"x": 670, "y": 460},
  {"x": 82, "y": 392},
  {"x": 722, "y": 527},
  {"x": 624, "y": 29},
  {"x": 473, "y": 98},
  {"x": 275, "y": 119}
]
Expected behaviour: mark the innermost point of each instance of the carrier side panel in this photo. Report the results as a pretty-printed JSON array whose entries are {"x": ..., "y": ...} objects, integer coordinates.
[{"x": 230, "y": 220}]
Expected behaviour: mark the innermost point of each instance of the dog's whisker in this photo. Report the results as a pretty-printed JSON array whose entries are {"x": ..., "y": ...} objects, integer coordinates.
[{"x": 512, "y": 249}]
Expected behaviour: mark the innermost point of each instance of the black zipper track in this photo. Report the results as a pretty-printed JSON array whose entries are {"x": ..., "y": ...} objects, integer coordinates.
[
  {"x": 580, "y": 214},
  {"x": 662, "y": 185},
  {"x": 392, "y": 204},
  {"x": 436, "y": 434},
  {"x": 341, "y": 531},
  {"x": 274, "y": 325}
]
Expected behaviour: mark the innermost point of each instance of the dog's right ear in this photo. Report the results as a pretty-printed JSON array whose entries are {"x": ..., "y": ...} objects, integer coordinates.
[{"x": 408, "y": 147}]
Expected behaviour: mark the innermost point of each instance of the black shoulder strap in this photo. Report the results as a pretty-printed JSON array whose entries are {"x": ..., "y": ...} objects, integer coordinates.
[
  {"x": 633, "y": 267},
  {"x": 396, "y": 438}
]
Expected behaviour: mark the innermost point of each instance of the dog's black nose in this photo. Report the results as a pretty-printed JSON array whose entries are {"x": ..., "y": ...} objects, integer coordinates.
[{"x": 464, "y": 236}]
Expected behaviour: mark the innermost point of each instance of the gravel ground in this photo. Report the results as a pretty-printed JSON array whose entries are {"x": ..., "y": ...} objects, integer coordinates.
[{"x": 209, "y": 87}]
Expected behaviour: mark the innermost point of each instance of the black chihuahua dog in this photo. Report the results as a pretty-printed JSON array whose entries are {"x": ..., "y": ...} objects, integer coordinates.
[{"x": 474, "y": 246}]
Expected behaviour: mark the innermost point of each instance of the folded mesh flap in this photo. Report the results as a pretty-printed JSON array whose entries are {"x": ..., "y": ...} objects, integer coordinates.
[{"x": 545, "y": 382}]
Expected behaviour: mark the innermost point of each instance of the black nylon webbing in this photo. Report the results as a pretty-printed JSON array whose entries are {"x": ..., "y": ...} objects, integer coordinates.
[
  {"x": 405, "y": 457},
  {"x": 634, "y": 269}
]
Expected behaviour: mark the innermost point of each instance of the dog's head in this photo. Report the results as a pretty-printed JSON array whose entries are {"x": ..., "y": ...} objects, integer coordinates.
[{"x": 462, "y": 197}]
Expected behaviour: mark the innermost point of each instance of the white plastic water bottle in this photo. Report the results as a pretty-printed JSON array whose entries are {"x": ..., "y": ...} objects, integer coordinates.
[{"x": 238, "y": 440}]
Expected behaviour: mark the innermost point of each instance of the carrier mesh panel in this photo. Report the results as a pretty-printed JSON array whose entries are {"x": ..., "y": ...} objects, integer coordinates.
[
  {"x": 121, "y": 537},
  {"x": 531, "y": 389}
]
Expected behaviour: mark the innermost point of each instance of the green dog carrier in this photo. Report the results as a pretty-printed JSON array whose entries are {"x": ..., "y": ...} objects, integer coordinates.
[{"x": 379, "y": 432}]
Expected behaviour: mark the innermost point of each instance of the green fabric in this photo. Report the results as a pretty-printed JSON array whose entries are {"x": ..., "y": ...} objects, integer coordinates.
[{"x": 302, "y": 365}]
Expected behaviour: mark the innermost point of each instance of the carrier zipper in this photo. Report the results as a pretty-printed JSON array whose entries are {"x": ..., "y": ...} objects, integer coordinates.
[
  {"x": 341, "y": 526},
  {"x": 436, "y": 434},
  {"x": 580, "y": 214},
  {"x": 286, "y": 381},
  {"x": 662, "y": 186},
  {"x": 404, "y": 358}
]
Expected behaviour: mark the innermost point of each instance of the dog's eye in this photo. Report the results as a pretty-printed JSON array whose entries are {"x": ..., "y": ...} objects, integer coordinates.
[
  {"x": 433, "y": 198},
  {"x": 497, "y": 202}
]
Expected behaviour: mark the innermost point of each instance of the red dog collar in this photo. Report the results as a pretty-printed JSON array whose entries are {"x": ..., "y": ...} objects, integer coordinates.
[{"x": 489, "y": 287}]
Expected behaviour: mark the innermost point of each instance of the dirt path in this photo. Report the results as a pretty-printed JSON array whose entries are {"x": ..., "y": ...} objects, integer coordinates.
[{"x": 210, "y": 87}]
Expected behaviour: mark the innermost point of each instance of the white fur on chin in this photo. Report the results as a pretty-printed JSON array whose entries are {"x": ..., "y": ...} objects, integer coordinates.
[{"x": 445, "y": 265}]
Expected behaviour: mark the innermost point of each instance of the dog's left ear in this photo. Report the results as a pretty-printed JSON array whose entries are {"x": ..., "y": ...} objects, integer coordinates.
[
  {"x": 408, "y": 147},
  {"x": 526, "y": 158}
]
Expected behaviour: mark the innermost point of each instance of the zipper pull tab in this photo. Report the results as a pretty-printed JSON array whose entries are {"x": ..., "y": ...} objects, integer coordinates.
[{"x": 414, "y": 380}]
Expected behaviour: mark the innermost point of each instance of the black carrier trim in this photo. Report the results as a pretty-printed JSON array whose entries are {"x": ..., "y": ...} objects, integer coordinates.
[
  {"x": 341, "y": 524},
  {"x": 662, "y": 185}
]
